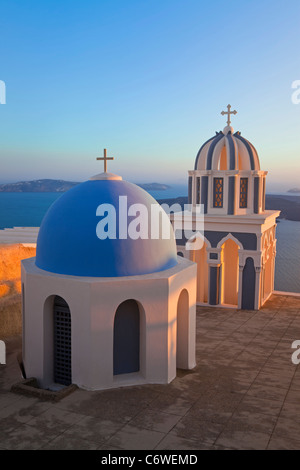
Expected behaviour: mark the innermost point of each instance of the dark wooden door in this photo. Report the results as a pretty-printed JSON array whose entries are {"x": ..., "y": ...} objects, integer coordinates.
[
  {"x": 127, "y": 338},
  {"x": 248, "y": 285}
]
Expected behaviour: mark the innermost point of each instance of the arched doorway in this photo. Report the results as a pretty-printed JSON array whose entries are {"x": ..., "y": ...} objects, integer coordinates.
[
  {"x": 62, "y": 364},
  {"x": 182, "y": 349},
  {"x": 229, "y": 272},
  {"x": 126, "y": 346},
  {"x": 248, "y": 285},
  {"x": 200, "y": 257}
]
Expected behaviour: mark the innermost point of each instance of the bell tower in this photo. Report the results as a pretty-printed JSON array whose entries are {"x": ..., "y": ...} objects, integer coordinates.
[{"x": 237, "y": 260}]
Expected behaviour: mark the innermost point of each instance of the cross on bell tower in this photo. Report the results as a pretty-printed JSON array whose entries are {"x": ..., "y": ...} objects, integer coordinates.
[
  {"x": 228, "y": 112},
  {"x": 105, "y": 158}
]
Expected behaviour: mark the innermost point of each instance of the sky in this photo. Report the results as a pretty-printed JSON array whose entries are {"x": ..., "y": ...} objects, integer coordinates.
[{"x": 147, "y": 80}]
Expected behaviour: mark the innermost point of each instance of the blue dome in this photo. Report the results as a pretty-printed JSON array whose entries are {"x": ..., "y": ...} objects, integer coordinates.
[{"x": 68, "y": 244}]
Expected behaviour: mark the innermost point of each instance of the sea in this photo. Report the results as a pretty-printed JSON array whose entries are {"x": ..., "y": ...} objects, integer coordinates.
[{"x": 28, "y": 210}]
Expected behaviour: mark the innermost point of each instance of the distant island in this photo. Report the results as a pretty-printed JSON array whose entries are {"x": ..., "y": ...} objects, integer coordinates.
[
  {"x": 294, "y": 191},
  {"x": 154, "y": 186},
  {"x": 38, "y": 186},
  {"x": 288, "y": 205},
  {"x": 60, "y": 186}
]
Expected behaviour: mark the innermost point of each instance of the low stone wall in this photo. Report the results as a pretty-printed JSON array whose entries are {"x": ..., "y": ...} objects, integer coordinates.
[
  {"x": 10, "y": 287},
  {"x": 29, "y": 387},
  {"x": 10, "y": 317}
]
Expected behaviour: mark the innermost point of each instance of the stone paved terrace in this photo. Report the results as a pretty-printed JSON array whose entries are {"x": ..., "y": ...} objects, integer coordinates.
[{"x": 243, "y": 394}]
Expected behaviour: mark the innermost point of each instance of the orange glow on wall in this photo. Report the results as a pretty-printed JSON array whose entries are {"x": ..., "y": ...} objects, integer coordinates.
[{"x": 10, "y": 267}]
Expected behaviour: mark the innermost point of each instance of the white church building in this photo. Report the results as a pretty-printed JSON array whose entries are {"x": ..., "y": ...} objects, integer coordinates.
[
  {"x": 103, "y": 313},
  {"x": 236, "y": 262}
]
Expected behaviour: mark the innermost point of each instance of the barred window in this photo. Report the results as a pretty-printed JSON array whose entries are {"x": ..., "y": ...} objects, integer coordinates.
[
  {"x": 243, "y": 192},
  {"x": 218, "y": 192}
]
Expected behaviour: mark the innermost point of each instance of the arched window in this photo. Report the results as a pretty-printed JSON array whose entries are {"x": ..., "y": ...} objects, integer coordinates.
[
  {"x": 218, "y": 192},
  {"x": 62, "y": 342},
  {"x": 243, "y": 193}
]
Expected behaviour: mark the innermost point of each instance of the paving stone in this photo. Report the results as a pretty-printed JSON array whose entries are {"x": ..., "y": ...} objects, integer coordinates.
[
  {"x": 273, "y": 380},
  {"x": 291, "y": 411},
  {"x": 293, "y": 396},
  {"x": 222, "y": 401},
  {"x": 190, "y": 427},
  {"x": 155, "y": 420},
  {"x": 109, "y": 447},
  {"x": 208, "y": 413},
  {"x": 283, "y": 443},
  {"x": 100, "y": 407},
  {"x": 25, "y": 437},
  {"x": 249, "y": 421},
  {"x": 54, "y": 419},
  {"x": 253, "y": 404},
  {"x": 244, "y": 393},
  {"x": 243, "y": 440},
  {"x": 267, "y": 392},
  {"x": 171, "y": 405},
  {"x": 287, "y": 428},
  {"x": 94, "y": 429},
  {"x": 7, "y": 398},
  {"x": 23, "y": 410},
  {"x": 65, "y": 442},
  {"x": 172, "y": 442},
  {"x": 131, "y": 437}
]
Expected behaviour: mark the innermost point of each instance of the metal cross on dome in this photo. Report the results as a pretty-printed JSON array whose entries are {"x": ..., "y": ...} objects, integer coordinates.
[
  {"x": 228, "y": 112},
  {"x": 105, "y": 158}
]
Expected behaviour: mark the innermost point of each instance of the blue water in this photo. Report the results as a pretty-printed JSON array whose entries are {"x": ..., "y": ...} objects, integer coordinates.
[
  {"x": 24, "y": 209},
  {"x": 287, "y": 264},
  {"x": 172, "y": 192},
  {"x": 28, "y": 210}
]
